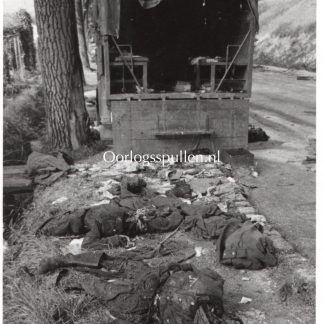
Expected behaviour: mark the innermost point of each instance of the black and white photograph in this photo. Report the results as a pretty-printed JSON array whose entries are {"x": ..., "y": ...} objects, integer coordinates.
[{"x": 159, "y": 162}]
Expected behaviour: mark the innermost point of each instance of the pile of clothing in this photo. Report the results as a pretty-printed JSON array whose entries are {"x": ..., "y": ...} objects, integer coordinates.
[
  {"x": 157, "y": 285},
  {"x": 136, "y": 293},
  {"x": 46, "y": 168},
  {"x": 138, "y": 211},
  {"x": 244, "y": 246}
]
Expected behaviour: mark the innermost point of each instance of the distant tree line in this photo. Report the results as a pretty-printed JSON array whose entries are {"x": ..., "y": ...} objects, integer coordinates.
[{"x": 18, "y": 40}]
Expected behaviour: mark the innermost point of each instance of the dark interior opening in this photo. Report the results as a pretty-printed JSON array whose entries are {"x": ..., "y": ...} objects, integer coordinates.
[{"x": 176, "y": 31}]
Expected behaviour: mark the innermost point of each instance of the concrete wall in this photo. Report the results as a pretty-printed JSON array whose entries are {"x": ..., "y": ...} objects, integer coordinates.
[{"x": 137, "y": 125}]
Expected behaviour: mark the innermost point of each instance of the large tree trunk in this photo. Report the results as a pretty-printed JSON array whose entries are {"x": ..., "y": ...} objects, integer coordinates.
[
  {"x": 83, "y": 48},
  {"x": 62, "y": 73}
]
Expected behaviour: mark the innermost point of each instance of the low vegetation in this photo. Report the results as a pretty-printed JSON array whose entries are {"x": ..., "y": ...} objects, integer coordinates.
[
  {"x": 287, "y": 35},
  {"x": 23, "y": 120}
]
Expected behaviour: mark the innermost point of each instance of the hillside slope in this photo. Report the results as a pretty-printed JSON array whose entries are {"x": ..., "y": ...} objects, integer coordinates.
[{"x": 287, "y": 35}]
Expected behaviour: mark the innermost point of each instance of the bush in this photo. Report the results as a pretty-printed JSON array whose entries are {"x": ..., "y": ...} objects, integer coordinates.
[{"x": 23, "y": 121}]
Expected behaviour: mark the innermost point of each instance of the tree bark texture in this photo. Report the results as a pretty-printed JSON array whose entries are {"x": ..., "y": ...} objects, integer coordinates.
[
  {"x": 62, "y": 73},
  {"x": 83, "y": 48}
]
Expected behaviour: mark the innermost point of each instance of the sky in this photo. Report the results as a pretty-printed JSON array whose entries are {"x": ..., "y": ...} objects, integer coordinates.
[{"x": 15, "y": 5}]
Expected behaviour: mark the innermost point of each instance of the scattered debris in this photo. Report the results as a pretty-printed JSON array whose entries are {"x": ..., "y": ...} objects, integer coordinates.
[
  {"x": 306, "y": 78},
  {"x": 243, "y": 203},
  {"x": 59, "y": 200},
  {"x": 245, "y": 300},
  {"x": 108, "y": 190},
  {"x": 311, "y": 149},
  {"x": 257, "y": 135},
  {"x": 310, "y": 159},
  {"x": 171, "y": 175},
  {"x": 129, "y": 208},
  {"x": 198, "y": 250},
  {"x": 75, "y": 246},
  {"x": 287, "y": 184},
  {"x": 254, "y": 218},
  {"x": 201, "y": 185},
  {"x": 246, "y": 210},
  {"x": 252, "y": 316},
  {"x": 128, "y": 166},
  {"x": 158, "y": 187}
]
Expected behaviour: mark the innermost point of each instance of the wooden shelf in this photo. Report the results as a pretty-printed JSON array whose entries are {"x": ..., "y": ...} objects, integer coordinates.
[
  {"x": 178, "y": 96},
  {"x": 169, "y": 133}
]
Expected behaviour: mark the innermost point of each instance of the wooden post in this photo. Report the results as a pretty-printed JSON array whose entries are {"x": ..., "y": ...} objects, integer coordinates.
[
  {"x": 100, "y": 102},
  {"x": 145, "y": 86},
  {"x": 102, "y": 7},
  {"x": 99, "y": 63},
  {"x": 248, "y": 75},
  {"x": 106, "y": 111},
  {"x": 212, "y": 76},
  {"x": 106, "y": 66},
  {"x": 197, "y": 68}
]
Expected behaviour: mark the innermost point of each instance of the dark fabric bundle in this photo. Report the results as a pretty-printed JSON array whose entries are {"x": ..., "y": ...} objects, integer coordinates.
[
  {"x": 45, "y": 168},
  {"x": 104, "y": 221},
  {"x": 204, "y": 221},
  {"x": 128, "y": 286},
  {"x": 132, "y": 186},
  {"x": 129, "y": 216},
  {"x": 257, "y": 135},
  {"x": 181, "y": 190},
  {"x": 97, "y": 222},
  {"x": 244, "y": 246},
  {"x": 96, "y": 259},
  {"x": 185, "y": 292}
]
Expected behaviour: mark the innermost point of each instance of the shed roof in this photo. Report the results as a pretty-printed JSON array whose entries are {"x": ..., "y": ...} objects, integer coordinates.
[
  {"x": 148, "y": 4},
  {"x": 113, "y": 7}
]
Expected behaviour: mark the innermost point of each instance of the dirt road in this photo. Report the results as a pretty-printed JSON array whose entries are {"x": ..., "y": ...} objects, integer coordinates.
[{"x": 285, "y": 108}]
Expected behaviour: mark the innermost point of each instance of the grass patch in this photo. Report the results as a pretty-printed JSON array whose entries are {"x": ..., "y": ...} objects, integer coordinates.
[{"x": 33, "y": 299}]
